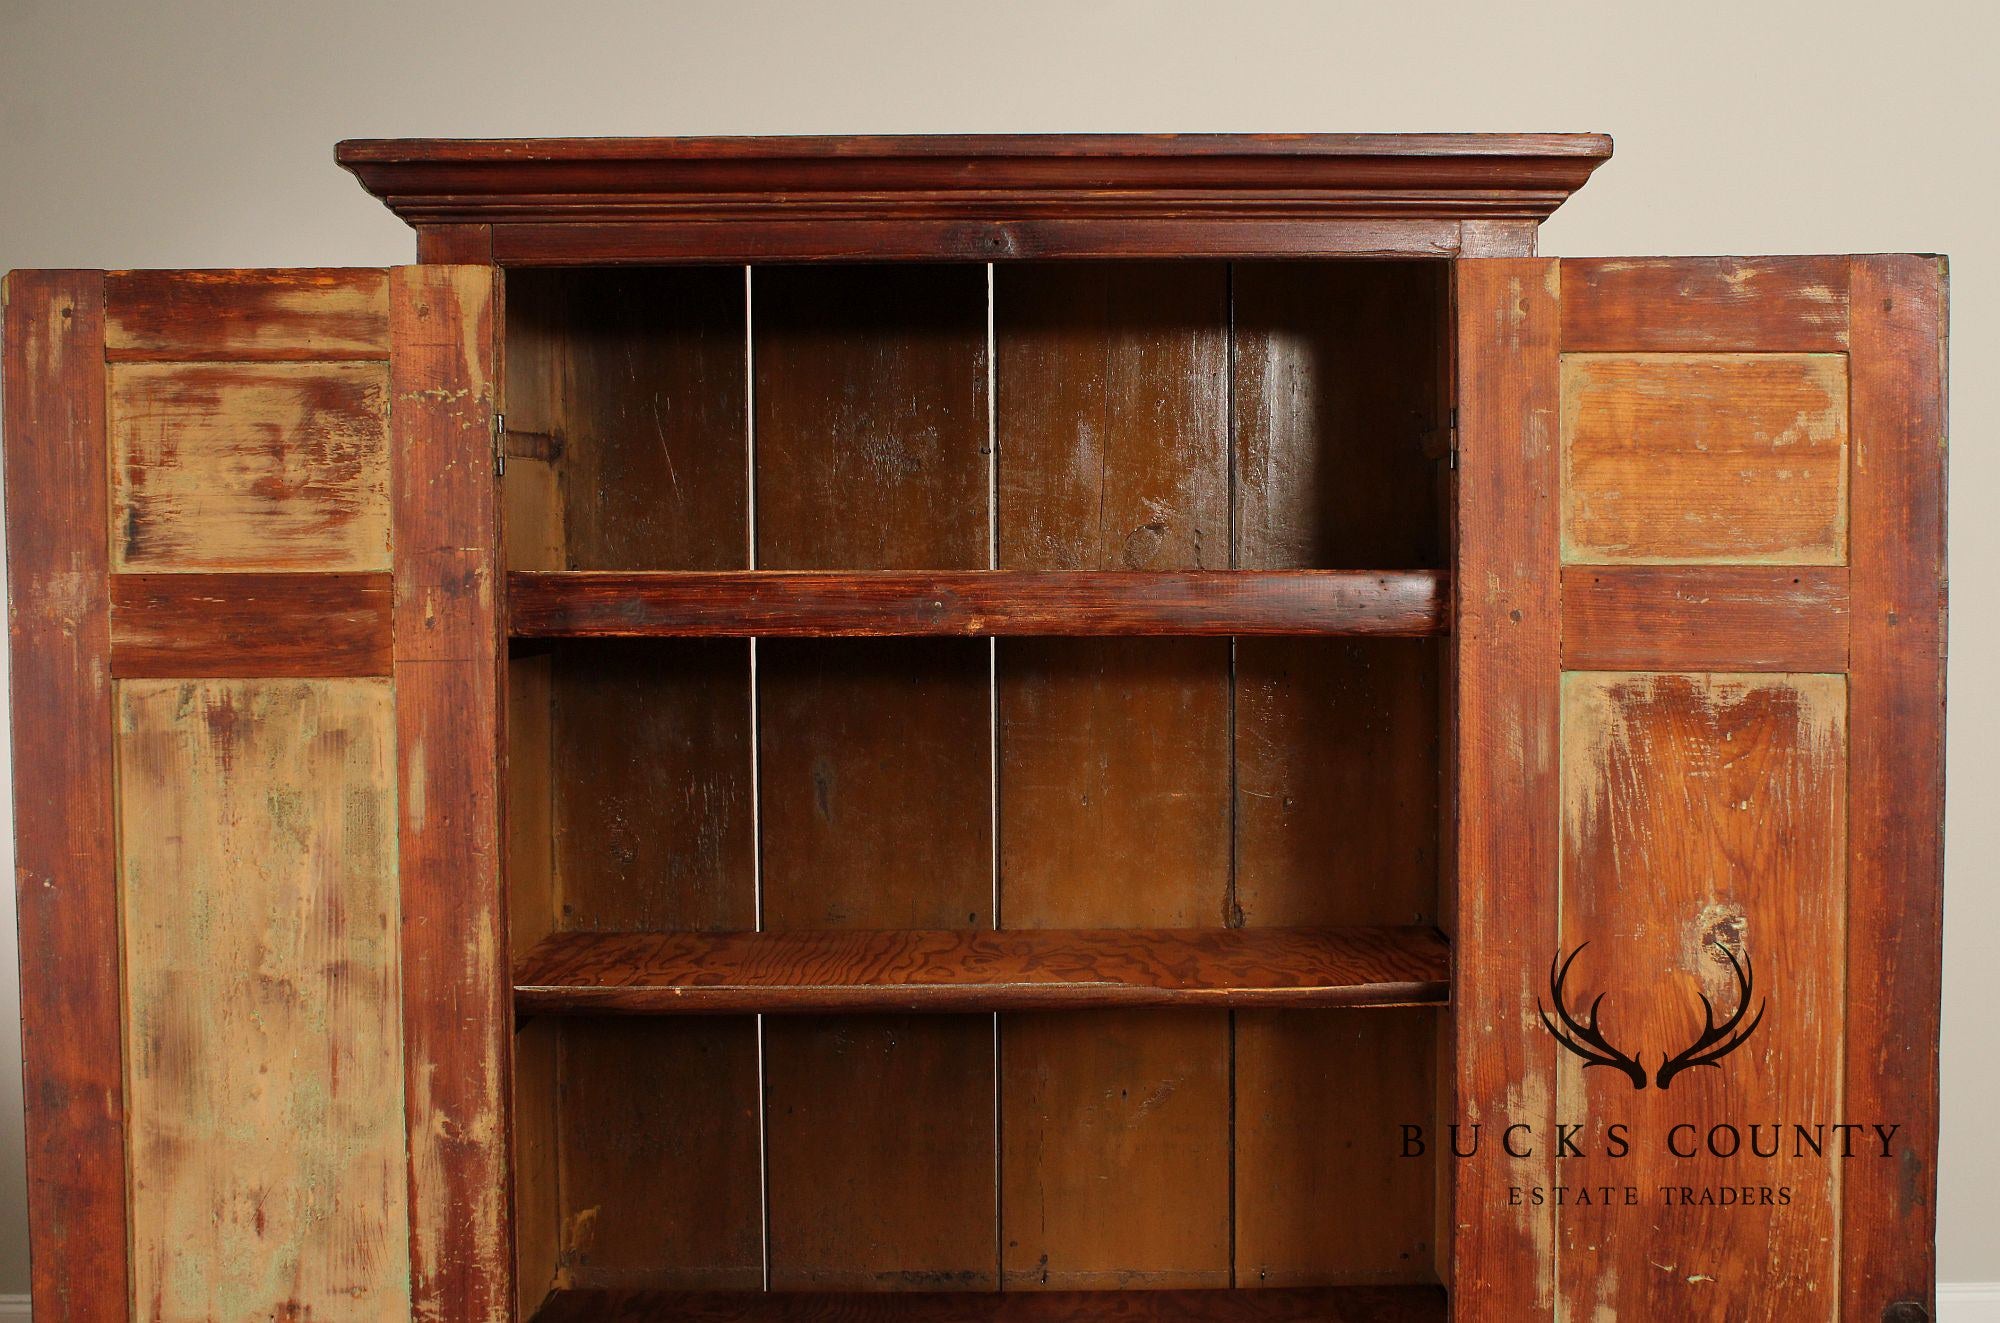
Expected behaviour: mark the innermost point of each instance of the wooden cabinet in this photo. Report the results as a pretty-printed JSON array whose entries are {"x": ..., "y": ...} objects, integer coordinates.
[{"x": 980, "y": 729}]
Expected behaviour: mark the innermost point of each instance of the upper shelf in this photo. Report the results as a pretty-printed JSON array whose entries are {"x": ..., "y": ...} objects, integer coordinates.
[
  {"x": 595, "y": 200},
  {"x": 880, "y": 603}
]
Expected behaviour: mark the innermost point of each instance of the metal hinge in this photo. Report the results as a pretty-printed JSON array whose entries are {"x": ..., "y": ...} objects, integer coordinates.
[
  {"x": 499, "y": 444},
  {"x": 1451, "y": 441}
]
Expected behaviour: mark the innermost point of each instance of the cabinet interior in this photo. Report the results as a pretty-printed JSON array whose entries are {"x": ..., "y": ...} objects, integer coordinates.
[{"x": 1115, "y": 417}]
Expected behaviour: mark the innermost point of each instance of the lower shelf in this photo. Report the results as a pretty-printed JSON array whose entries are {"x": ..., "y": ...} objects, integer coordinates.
[
  {"x": 1336, "y": 1304},
  {"x": 975, "y": 970}
]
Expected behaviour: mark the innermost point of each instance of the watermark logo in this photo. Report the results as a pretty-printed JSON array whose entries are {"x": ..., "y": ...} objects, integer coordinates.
[{"x": 1587, "y": 1038}]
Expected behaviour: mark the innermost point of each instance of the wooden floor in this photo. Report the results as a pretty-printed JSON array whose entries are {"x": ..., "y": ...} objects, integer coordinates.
[
  {"x": 1339, "y": 1304},
  {"x": 982, "y": 970}
]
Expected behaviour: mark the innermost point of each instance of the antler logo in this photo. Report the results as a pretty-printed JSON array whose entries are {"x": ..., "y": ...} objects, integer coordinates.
[{"x": 1588, "y": 1041}]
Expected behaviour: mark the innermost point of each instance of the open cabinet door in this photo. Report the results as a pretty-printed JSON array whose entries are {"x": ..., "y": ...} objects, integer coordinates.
[
  {"x": 255, "y": 650},
  {"x": 1700, "y": 679}
]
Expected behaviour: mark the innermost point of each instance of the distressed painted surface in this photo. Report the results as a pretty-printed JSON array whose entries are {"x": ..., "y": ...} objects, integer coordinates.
[
  {"x": 1716, "y": 304},
  {"x": 1704, "y": 458},
  {"x": 249, "y": 466},
  {"x": 257, "y": 853},
  {"x": 243, "y": 315},
  {"x": 1701, "y": 809}
]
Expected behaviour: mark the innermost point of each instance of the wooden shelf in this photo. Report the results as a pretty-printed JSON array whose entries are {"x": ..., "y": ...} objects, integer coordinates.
[
  {"x": 1332, "y": 1304},
  {"x": 1016, "y": 969},
  {"x": 787, "y": 603}
]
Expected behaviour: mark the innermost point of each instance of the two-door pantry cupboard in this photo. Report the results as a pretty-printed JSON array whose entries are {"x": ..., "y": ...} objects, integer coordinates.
[{"x": 1015, "y": 728}]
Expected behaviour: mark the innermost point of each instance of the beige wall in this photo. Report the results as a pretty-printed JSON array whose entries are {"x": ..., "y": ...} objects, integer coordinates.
[{"x": 200, "y": 133}]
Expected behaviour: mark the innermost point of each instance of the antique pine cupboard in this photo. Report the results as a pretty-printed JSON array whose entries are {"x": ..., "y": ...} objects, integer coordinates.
[{"x": 1015, "y": 728}]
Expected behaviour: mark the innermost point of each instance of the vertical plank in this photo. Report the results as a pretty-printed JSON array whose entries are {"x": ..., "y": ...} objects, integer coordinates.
[
  {"x": 449, "y": 650},
  {"x": 1114, "y": 793},
  {"x": 531, "y": 917},
  {"x": 58, "y": 560},
  {"x": 1340, "y": 403},
  {"x": 1895, "y": 849},
  {"x": 870, "y": 385},
  {"x": 1705, "y": 814},
  {"x": 258, "y": 866},
  {"x": 1506, "y": 632}
]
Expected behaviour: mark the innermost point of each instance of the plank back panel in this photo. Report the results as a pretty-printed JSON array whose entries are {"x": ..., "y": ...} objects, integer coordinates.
[
  {"x": 1704, "y": 821},
  {"x": 65, "y": 867},
  {"x": 1339, "y": 434},
  {"x": 1705, "y": 458},
  {"x": 1113, "y": 441},
  {"x": 870, "y": 431},
  {"x": 258, "y": 863}
]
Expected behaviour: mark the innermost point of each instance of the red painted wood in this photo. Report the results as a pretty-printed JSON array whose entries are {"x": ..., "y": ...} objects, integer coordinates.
[
  {"x": 66, "y": 873},
  {"x": 1704, "y": 617},
  {"x": 174, "y": 626},
  {"x": 981, "y": 970},
  {"x": 774, "y": 603},
  {"x": 1334, "y": 1304}
]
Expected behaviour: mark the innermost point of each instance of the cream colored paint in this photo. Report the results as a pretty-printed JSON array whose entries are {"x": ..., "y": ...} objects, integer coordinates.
[{"x": 200, "y": 134}]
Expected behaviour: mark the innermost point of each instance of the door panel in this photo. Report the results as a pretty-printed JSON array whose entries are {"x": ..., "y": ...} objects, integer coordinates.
[
  {"x": 1748, "y": 703},
  {"x": 273, "y": 761}
]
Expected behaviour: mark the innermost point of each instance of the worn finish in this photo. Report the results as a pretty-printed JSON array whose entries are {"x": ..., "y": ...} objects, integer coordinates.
[
  {"x": 870, "y": 388},
  {"x": 1341, "y": 403},
  {"x": 65, "y": 871},
  {"x": 247, "y": 316},
  {"x": 449, "y": 652},
  {"x": 1710, "y": 618},
  {"x": 257, "y": 862},
  {"x": 942, "y": 197},
  {"x": 1065, "y": 603},
  {"x": 1895, "y": 845},
  {"x": 1704, "y": 814},
  {"x": 1318, "y": 1100},
  {"x": 960, "y": 970},
  {"x": 659, "y": 1189},
  {"x": 1507, "y": 628},
  {"x": 247, "y": 625},
  {"x": 1413, "y": 1304},
  {"x": 1113, "y": 436},
  {"x": 1718, "y": 305},
  {"x": 1705, "y": 458},
  {"x": 249, "y": 466}
]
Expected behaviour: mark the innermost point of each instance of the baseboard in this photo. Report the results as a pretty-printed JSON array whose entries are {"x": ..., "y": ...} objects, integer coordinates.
[
  {"x": 1968, "y": 1302},
  {"x": 14, "y": 1309}
]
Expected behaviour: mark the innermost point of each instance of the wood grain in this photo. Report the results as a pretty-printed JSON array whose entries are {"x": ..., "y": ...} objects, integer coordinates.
[
  {"x": 870, "y": 388},
  {"x": 1712, "y": 304},
  {"x": 1113, "y": 435},
  {"x": 653, "y": 421},
  {"x": 782, "y": 604},
  {"x": 960, "y": 970},
  {"x": 449, "y": 650},
  {"x": 247, "y": 316},
  {"x": 531, "y": 915},
  {"x": 1319, "y": 1099},
  {"x": 192, "y": 626},
  {"x": 1706, "y": 618},
  {"x": 1705, "y": 458},
  {"x": 1702, "y": 813},
  {"x": 258, "y": 867},
  {"x": 1895, "y": 835},
  {"x": 1341, "y": 402},
  {"x": 659, "y": 1154},
  {"x": 249, "y": 466},
  {"x": 65, "y": 868},
  {"x": 1409, "y": 1304},
  {"x": 1506, "y": 635}
]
